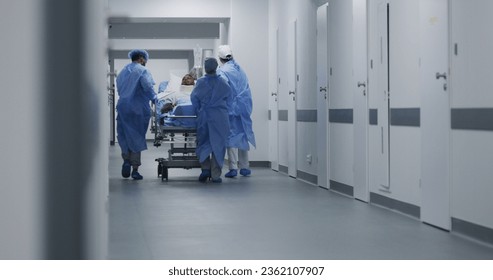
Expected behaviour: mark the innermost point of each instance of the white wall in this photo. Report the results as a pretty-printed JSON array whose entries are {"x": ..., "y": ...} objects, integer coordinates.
[
  {"x": 470, "y": 78},
  {"x": 96, "y": 216},
  {"x": 161, "y": 44},
  {"x": 21, "y": 235},
  {"x": 25, "y": 193},
  {"x": 170, "y": 8},
  {"x": 249, "y": 43},
  {"x": 273, "y": 84}
]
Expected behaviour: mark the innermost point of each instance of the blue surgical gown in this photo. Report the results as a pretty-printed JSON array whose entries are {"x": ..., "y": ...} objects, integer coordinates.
[
  {"x": 240, "y": 107},
  {"x": 135, "y": 90},
  {"x": 209, "y": 98}
]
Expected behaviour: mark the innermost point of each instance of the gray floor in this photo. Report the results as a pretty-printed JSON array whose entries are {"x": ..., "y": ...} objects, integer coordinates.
[{"x": 266, "y": 216}]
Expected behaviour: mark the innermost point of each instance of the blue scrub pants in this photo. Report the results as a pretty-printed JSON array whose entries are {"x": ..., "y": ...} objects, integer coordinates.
[
  {"x": 211, "y": 163},
  {"x": 134, "y": 158}
]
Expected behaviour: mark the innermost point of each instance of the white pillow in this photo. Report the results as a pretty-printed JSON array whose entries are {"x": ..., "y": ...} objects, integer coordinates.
[{"x": 174, "y": 84}]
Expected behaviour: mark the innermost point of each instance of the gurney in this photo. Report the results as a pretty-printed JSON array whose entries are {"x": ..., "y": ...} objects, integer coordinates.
[{"x": 182, "y": 140}]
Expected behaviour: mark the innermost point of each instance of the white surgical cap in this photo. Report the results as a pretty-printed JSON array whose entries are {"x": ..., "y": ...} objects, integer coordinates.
[{"x": 224, "y": 52}]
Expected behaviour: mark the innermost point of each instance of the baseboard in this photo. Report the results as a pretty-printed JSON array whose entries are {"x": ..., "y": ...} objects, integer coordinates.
[
  {"x": 475, "y": 231},
  {"x": 403, "y": 207},
  {"x": 341, "y": 188}
]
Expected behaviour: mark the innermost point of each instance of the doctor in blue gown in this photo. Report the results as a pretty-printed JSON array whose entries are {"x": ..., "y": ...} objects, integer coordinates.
[
  {"x": 135, "y": 90},
  {"x": 209, "y": 98},
  {"x": 240, "y": 109}
]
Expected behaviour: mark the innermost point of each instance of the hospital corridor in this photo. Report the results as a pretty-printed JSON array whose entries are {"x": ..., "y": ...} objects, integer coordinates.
[
  {"x": 247, "y": 130},
  {"x": 268, "y": 216}
]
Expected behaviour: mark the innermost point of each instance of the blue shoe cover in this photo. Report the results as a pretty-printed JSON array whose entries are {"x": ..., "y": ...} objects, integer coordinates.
[
  {"x": 232, "y": 173},
  {"x": 217, "y": 180},
  {"x": 206, "y": 173},
  {"x": 126, "y": 169},
  {"x": 136, "y": 175},
  {"x": 245, "y": 172}
]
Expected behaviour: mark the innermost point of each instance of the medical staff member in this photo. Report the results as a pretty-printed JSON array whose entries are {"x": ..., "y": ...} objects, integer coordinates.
[
  {"x": 240, "y": 110},
  {"x": 209, "y": 98},
  {"x": 135, "y": 90}
]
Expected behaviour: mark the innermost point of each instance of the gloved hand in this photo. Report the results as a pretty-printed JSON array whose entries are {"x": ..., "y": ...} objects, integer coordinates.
[{"x": 154, "y": 100}]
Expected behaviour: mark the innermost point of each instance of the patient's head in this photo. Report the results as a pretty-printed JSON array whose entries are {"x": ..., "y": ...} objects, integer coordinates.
[{"x": 187, "y": 80}]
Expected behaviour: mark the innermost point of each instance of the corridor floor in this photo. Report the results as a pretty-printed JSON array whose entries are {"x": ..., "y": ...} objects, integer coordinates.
[{"x": 265, "y": 216}]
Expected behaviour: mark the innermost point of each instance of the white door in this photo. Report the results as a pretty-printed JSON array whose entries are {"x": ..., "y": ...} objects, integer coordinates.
[
  {"x": 283, "y": 99},
  {"x": 274, "y": 104},
  {"x": 292, "y": 78},
  {"x": 383, "y": 96},
  {"x": 435, "y": 113},
  {"x": 322, "y": 87},
  {"x": 360, "y": 113},
  {"x": 341, "y": 86}
]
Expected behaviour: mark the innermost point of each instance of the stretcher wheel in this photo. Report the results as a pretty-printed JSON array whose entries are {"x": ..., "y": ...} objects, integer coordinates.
[
  {"x": 159, "y": 170},
  {"x": 164, "y": 174}
]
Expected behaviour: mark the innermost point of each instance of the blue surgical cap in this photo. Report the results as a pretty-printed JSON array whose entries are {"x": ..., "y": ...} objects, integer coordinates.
[
  {"x": 210, "y": 65},
  {"x": 137, "y": 52}
]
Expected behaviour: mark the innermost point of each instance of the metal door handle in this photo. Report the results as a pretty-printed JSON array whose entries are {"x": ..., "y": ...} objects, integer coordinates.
[
  {"x": 323, "y": 89},
  {"x": 361, "y": 84},
  {"x": 291, "y": 92},
  {"x": 273, "y": 94},
  {"x": 444, "y": 76},
  {"x": 382, "y": 138}
]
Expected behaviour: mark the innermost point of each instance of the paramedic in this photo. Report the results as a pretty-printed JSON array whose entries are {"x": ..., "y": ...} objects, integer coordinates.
[
  {"x": 209, "y": 98},
  {"x": 135, "y": 90},
  {"x": 240, "y": 110}
]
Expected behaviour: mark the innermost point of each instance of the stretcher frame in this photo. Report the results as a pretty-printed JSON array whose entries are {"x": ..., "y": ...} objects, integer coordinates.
[{"x": 183, "y": 142}]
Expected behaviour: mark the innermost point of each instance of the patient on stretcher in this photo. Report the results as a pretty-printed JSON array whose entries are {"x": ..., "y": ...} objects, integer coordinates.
[
  {"x": 176, "y": 102},
  {"x": 183, "y": 108}
]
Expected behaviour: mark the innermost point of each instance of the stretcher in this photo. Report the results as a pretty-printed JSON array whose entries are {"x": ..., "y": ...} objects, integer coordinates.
[{"x": 182, "y": 142}]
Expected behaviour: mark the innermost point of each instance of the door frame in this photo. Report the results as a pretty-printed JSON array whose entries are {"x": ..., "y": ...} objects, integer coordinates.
[
  {"x": 292, "y": 105},
  {"x": 274, "y": 108},
  {"x": 323, "y": 117}
]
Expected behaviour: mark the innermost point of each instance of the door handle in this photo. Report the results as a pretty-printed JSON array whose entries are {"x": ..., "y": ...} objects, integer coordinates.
[
  {"x": 273, "y": 94},
  {"x": 361, "y": 84},
  {"x": 444, "y": 75},
  {"x": 323, "y": 89},
  {"x": 382, "y": 138},
  {"x": 291, "y": 92}
]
